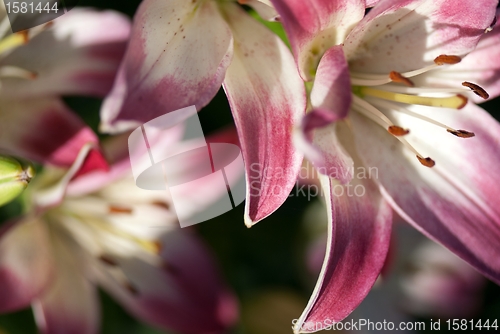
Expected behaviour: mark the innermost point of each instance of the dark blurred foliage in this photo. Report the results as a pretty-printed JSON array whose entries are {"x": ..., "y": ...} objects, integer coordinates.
[{"x": 256, "y": 262}]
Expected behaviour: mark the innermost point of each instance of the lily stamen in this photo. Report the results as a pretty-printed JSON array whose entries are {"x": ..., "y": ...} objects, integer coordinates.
[
  {"x": 17, "y": 72},
  {"x": 478, "y": 90},
  {"x": 456, "y": 132},
  {"x": 399, "y": 78}
]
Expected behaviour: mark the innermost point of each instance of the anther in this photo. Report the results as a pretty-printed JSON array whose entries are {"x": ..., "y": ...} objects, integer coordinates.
[
  {"x": 131, "y": 288},
  {"x": 461, "y": 133},
  {"x": 447, "y": 60},
  {"x": 399, "y": 78},
  {"x": 119, "y": 209},
  {"x": 108, "y": 260},
  {"x": 478, "y": 90},
  {"x": 25, "y": 35},
  {"x": 427, "y": 162},
  {"x": 397, "y": 131}
]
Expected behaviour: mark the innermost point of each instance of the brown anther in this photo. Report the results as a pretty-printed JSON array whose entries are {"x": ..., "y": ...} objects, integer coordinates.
[
  {"x": 33, "y": 75},
  {"x": 119, "y": 209},
  {"x": 25, "y": 36},
  {"x": 461, "y": 133},
  {"x": 48, "y": 25},
  {"x": 108, "y": 260},
  {"x": 158, "y": 246},
  {"x": 131, "y": 288},
  {"x": 447, "y": 60},
  {"x": 478, "y": 90},
  {"x": 399, "y": 78},
  {"x": 427, "y": 162},
  {"x": 397, "y": 131},
  {"x": 464, "y": 99},
  {"x": 161, "y": 204}
]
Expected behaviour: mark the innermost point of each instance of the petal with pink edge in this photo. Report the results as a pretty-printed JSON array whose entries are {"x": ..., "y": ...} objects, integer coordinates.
[
  {"x": 26, "y": 266},
  {"x": 359, "y": 232},
  {"x": 481, "y": 67},
  {"x": 267, "y": 98},
  {"x": 42, "y": 129},
  {"x": 318, "y": 140},
  {"x": 456, "y": 201},
  {"x": 177, "y": 57},
  {"x": 314, "y": 26},
  {"x": 79, "y": 54},
  {"x": 71, "y": 303},
  {"x": 171, "y": 294},
  {"x": 404, "y": 35},
  {"x": 332, "y": 78}
]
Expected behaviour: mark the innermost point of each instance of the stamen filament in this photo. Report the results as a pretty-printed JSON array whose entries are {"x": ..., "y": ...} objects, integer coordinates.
[
  {"x": 455, "y": 102},
  {"x": 390, "y": 105},
  {"x": 16, "y": 72}
]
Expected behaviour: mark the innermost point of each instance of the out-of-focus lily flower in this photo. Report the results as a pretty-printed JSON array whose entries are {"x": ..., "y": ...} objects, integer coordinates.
[
  {"x": 100, "y": 229},
  {"x": 77, "y": 53},
  {"x": 403, "y": 102},
  {"x": 179, "y": 55},
  {"x": 438, "y": 283}
]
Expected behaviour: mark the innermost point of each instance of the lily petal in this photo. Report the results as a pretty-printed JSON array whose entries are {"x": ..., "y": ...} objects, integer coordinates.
[
  {"x": 171, "y": 294},
  {"x": 267, "y": 98},
  {"x": 79, "y": 54},
  {"x": 26, "y": 266},
  {"x": 263, "y": 7},
  {"x": 42, "y": 129},
  {"x": 359, "y": 233},
  {"x": 164, "y": 69},
  {"x": 314, "y": 26},
  {"x": 407, "y": 35},
  {"x": 329, "y": 91},
  {"x": 481, "y": 67},
  {"x": 320, "y": 144},
  {"x": 71, "y": 304},
  {"x": 455, "y": 202}
]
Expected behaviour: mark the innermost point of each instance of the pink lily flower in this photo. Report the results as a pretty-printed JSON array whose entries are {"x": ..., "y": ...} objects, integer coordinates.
[
  {"x": 397, "y": 134},
  {"x": 100, "y": 229},
  {"x": 77, "y": 53},
  {"x": 180, "y": 54}
]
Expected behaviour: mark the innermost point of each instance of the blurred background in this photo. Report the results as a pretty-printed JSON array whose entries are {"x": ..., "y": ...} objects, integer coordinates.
[{"x": 273, "y": 267}]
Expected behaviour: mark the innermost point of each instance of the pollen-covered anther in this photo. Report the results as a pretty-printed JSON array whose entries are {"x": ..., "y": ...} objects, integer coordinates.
[
  {"x": 461, "y": 133},
  {"x": 464, "y": 101},
  {"x": 399, "y": 78},
  {"x": 478, "y": 90},
  {"x": 119, "y": 209},
  {"x": 131, "y": 288},
  {"x": 447, "y": 60},
  {"x": 397, "y": 131},
  {"x": 427, "y": 162},
  {"x": 25, "y": 35}
]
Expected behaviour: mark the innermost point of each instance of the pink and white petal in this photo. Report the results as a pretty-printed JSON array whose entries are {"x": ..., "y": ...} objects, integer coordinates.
[
  {"x": 481, "y": 67},
  {"x": 409, "y": 34},
  {"x": 455, "y": 202},
  {"x": 371, "y": 3},
  {"x": 359, "y": 233},
  {"x": 171, "y": 295},
  {"x": 267, "y": 99},
  {"x": 71, "y": 304},
  {"x": 319, "y": 142},
  {"x": 26, "y": 265},
  {"x": 329, "y": 91},
  {"x": 264, "y": 8},
  {"x": 314, "y": 26},
  {"x": 79, "y": 54},
  {"x": 164, "y": 69},
  {"x": 42, "y": 129}
]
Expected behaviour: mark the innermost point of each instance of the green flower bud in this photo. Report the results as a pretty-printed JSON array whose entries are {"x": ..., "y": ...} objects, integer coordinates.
[{"x": 14, "y": 178}]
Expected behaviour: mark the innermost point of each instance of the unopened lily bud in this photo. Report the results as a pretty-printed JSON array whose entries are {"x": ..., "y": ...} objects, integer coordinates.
[{"x": 14, "y": 178}]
